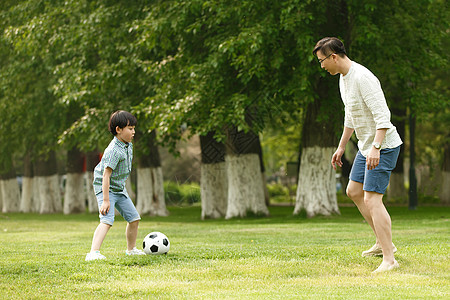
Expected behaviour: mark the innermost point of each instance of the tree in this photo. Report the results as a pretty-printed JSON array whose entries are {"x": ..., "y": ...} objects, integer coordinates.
[
  {"x": 150, "y": 197},
  {"x": 222, "y": 59},
  {"x": 202, "y": 65},
  {"x": 26, "y": 81},
  {"x": 214, "y": 180}
]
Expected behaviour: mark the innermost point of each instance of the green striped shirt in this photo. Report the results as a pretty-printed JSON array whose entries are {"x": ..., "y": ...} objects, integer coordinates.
[{"x": 118, "y": 156}]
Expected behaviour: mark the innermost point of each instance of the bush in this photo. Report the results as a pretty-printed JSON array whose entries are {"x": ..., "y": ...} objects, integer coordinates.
[
  {"x": 178, "y": 194},
  {"x": 172, "y": 193},
  {"x": 277, "y": 189},
  {"x": 190, "y": 193}
]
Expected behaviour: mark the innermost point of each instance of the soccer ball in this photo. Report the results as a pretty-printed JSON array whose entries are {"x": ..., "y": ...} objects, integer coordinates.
[{"x": 156, "y": 243}]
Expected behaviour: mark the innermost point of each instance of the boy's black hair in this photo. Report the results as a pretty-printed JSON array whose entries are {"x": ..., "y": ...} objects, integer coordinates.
[{"x": 122, "y": 119}]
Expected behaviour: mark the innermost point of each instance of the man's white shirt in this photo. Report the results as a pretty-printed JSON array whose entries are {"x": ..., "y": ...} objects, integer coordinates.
[{"x": 366, "y": 109}]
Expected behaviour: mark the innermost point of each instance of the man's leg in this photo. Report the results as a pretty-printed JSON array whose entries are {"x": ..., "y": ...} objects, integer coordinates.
[
  {"x": 131, "y": 233},
  {"x": 382, "y": 224},
  {"x": 356, "y": 193}
]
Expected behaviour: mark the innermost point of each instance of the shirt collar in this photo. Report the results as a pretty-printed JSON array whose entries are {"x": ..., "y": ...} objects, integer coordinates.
[
  {"x": 350, "y": 71},
  {"x": 120, "y": 143}
]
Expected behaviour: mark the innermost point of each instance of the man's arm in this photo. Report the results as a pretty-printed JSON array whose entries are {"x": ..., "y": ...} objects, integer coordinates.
[
  {"x": 373, "y": 158},
  {"x": 346, "y": 135},
  {"x": 104, "y": 209}
]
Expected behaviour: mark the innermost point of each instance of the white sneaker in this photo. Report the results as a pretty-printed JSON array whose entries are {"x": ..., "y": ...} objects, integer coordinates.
[
  {"x": 135, "y": 251},
  {"x": 94, "y": 255},
  {"x": 376, "y": 251}
]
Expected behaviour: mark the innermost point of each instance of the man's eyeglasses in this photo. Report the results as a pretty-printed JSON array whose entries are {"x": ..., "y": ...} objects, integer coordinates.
[{"x": 321, "y": 60}]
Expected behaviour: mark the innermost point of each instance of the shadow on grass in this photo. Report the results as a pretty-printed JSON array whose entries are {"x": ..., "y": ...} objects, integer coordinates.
[{"x": 278, "y": 214}]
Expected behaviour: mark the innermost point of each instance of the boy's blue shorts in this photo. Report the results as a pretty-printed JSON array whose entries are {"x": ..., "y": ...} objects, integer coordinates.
[
  {"x": 375, "y": 180},
  {"x": 122, "y": 202}
]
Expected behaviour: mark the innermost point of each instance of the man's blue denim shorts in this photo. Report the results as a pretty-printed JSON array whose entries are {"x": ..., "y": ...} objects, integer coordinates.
[
  {"x": 375, "y": 180},
  {"x": 122, "y": 202}
]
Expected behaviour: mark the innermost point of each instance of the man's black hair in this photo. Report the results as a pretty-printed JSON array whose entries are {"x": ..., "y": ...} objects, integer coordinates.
[{"x": 330, "y": 45}]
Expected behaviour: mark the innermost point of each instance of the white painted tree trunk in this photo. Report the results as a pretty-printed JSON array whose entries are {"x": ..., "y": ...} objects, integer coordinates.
[
  {"x": 150, "y": 192},
  {"x": 49, "y": 194},
  {"x": 444, "y": 193},
  {"x": 214, "y": 190},
  {"x": 74, "y": 195},
  {"x": 245, "y": 188},
  {"x": 1, "y": 198},
  {"x": 10, "y": 195},
  {"x": 90, "y": 194},
  {"x": 27, "y": 199},
  {"x": 316, "y": 191},
  {"x": 36, "y": 203}
]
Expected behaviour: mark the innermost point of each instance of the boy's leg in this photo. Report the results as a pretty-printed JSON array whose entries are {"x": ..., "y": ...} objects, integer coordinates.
[
  {"x": 131, "y": 233},
  {"x": 99, "y": 236},
  {"x": 106, "y": 222},
  {"x": 128, "y": 211}
]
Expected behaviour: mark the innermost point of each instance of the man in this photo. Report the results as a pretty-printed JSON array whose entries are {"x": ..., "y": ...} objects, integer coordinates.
[{"x": 366, "y": 114}]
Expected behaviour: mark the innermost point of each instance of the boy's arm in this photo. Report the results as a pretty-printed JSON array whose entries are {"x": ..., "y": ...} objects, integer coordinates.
[{"x": 104, "y": 209}]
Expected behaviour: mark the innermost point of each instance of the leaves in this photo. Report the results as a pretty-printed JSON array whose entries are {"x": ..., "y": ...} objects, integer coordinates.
[{"x": 201, "y": 65}]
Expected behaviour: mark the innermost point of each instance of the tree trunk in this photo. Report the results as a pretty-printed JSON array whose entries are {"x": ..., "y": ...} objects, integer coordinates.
[
  {"x": 47, "y": 185},
  {"x": 92, "y": 159},
  {"x": 150, "y": 188},
  {"x": 316, "y": 190},
  {"x": 1, "y": 197},
  {"x": 397, "y": 187},
  {"x": 150, "y": 183},
  {"x": 9, "y": 188},
  {"x": 214, "y": 181},
  {"x": 444, "y": 192},
  {"x": 74, "y": 195},
  {"x": 27, "y": 200},
  {"x": 245, "y": 189},
  {"x": 244, "y": 171}
]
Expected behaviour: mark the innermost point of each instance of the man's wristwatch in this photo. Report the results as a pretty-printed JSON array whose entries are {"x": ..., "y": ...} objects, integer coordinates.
[{"x": 376, "y": 145}]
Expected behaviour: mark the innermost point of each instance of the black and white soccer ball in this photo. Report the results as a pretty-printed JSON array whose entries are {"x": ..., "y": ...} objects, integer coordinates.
[{"x": 156, "y": 243}]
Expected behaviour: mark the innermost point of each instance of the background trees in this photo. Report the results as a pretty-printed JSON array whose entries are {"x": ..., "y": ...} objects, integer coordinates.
[{"x": 201, "y": 66}]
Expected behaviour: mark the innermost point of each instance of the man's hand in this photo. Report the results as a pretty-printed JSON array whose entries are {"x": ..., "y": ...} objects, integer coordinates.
[
  {"x": 336, "y": 159},
  {"x": 373, "y": 158}
]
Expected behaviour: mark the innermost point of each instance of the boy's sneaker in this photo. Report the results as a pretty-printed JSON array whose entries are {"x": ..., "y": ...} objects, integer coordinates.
[
  {"x": 94, "y": 255},
  {"x": 135, "y": 251},
  {"x": 376, "y": 251}
]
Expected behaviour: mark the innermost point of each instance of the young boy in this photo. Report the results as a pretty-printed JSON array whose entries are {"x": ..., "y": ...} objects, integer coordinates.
[{"x": 109, "y": 185}]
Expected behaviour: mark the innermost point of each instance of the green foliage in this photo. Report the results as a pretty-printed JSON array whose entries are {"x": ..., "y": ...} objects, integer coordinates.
[
  {"x": 190, "y": 192},
  {"x": 179, "y": 194},
  {"x": 65, "y": 66},
  {"x": 280, "y": 146},
  {"x": 277, "y": 189},
  {"x": 279, "y": 257}
]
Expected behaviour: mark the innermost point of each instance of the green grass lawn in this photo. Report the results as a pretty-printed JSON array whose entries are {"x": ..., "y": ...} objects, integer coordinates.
[{"x": 279, "y": 257}]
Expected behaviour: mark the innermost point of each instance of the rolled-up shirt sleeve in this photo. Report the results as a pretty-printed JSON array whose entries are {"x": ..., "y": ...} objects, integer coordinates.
[
  {"x": 373, "y": 96},
  {"x": 347, "y": 120}
]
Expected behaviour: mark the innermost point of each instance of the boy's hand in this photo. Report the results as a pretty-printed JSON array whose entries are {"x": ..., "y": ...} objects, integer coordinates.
[{"x": 104, "y": 208}]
